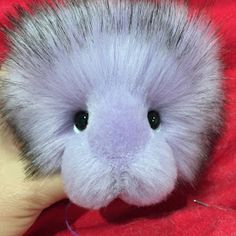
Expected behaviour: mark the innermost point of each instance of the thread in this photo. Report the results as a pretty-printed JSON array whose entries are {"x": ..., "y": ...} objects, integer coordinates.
[
  {"x": 213, "y": 206},
  {"x": 73, "y": 232}
]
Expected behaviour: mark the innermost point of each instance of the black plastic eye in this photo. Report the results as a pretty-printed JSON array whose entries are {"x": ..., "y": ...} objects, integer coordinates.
[
  {"x": 154, "y": 119},
  {"x": 81, "y": 120}
]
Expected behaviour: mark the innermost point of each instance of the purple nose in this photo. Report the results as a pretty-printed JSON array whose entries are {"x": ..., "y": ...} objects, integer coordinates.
[{"x": 119, "y": 131}]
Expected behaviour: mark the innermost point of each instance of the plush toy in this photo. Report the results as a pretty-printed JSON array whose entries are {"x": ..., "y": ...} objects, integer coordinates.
[{"x": 121, "y": 97}]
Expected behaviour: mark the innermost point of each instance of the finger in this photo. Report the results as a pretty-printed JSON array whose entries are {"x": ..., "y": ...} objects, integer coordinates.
[{"x": 48, "y": 190}]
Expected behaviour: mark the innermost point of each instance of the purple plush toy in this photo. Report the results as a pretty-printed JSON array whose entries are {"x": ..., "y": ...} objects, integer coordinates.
[{"x": 121, "y": 97}]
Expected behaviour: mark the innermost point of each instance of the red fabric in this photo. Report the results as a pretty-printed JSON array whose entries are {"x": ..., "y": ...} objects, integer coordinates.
[{"x": 179, "y": 215}]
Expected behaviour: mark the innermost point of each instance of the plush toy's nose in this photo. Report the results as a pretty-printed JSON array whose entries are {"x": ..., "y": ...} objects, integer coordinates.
[{"x": 119, "y": 130}]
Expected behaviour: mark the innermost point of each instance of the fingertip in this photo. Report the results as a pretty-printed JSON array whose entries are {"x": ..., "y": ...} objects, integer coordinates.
[{"x": 49, "y": 190}]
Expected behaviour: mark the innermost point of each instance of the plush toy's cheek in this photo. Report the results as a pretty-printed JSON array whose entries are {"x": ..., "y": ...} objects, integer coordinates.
[
  {"x": 88, "y": 182},
  {"x": 153, "y": 176}
]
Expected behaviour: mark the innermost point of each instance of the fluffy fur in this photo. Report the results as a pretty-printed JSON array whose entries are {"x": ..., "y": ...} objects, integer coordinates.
[{"x": 117, "y": 60}]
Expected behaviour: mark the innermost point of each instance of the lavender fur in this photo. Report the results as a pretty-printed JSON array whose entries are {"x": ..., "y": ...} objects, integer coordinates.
[{"x": 117, "y": 60}]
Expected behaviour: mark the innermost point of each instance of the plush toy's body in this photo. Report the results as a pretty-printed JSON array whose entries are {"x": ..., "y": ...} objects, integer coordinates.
[{"x": 121, "y": 97}]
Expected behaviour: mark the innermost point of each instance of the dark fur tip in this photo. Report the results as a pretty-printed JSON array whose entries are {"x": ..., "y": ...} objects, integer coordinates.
[{"x": 32, "y": 170}]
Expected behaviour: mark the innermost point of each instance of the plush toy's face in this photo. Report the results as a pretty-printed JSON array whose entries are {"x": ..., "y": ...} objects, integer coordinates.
[
  {"x": 120, "y": 98},
  {"x": 122, "y": 152}
]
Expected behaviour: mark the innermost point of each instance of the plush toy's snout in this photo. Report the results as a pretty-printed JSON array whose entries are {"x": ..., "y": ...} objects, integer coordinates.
[{"x": 119, "y": 127}]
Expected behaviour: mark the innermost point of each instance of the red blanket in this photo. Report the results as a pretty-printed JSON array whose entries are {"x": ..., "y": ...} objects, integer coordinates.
[{"x": 179, "y": 215}]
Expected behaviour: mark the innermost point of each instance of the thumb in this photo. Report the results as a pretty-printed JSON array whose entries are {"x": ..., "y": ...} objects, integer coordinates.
[{"x": 47, "y": 191}]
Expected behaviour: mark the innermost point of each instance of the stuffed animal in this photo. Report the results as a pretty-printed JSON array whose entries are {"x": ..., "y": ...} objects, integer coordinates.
[{"x": 121, "y": 97}]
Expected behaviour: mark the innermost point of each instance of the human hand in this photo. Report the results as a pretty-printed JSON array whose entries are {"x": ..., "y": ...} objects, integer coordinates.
[{"x": 21, "y": 199}]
